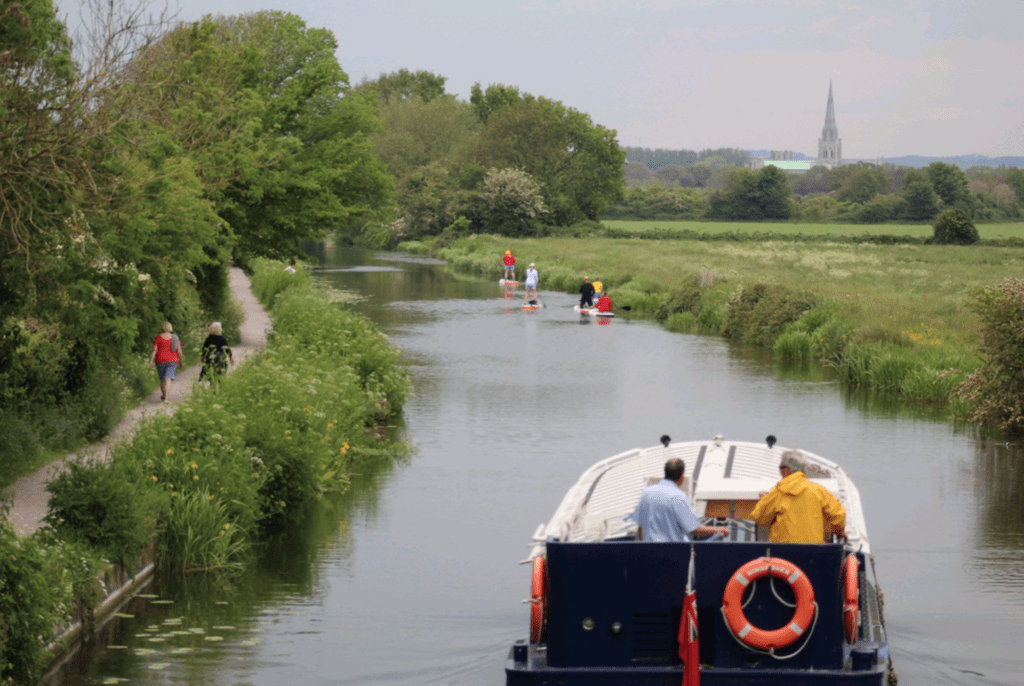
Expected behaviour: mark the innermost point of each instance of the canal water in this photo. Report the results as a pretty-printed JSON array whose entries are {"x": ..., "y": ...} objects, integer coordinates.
[{"x": 413, "y": 578}]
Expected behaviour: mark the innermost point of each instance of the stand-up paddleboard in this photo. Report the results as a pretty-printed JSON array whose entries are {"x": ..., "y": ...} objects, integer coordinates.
[
  {"x": 592, "y": 310},
  {"x": 503, "y": 282},
  {"x": 532, "y": 306}
]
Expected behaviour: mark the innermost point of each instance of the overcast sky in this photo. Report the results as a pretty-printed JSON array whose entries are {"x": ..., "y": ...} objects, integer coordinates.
[{"x": 931, "y": 78}]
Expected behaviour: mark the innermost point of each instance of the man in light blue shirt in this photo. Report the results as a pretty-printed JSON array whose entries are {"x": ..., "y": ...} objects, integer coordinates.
[{"x": 664, "y": 511}]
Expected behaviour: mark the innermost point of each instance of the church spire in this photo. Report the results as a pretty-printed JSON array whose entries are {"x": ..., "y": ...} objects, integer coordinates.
[{"x": 830, "y": 147}]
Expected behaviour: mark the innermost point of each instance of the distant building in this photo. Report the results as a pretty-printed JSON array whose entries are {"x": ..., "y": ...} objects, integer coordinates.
[
  {"x": 830, "y": 146},
  {"x": 783, "y": 159}
]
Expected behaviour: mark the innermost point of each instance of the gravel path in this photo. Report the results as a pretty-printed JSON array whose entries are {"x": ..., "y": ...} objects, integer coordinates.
[{"x": 28, "y": 496}]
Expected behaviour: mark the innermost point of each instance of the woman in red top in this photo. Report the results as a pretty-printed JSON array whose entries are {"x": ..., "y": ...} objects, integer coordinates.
[
  {"x": 167, "y": 356},
  {"x": 604, "y": 303},
  {"x": 510, "y": 266}
]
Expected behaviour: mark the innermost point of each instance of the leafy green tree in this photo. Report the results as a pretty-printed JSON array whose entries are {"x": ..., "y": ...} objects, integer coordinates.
[
  {"x": 950, "y": 184},
  {"x": 674, "y": 175},
  {"x": 749, "y": 195},
  {"x": 811, "y": 182},
  {"x": 512, "y": 200},
  {"x": 416, "y": 133},
  {"x": 857, "y": 182},
  {"x": 429, "y": 200},
  {"x": 404, "y": 85},
  {"x": 922, "y": 204},
  {"x": 954, "y": 227},
  {"x": 637, "y": 171},
  {"x": 290, "y": 156},
  {"x": 578, "y": 164},
  {"x": 1015, "y": 177},
  {"x": 701, "y": 173},
  {"x": 497, "y": 97}
]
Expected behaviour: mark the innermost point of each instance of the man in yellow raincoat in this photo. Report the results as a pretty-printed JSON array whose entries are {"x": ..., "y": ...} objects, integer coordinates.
[{"x": 798, "y": 510}]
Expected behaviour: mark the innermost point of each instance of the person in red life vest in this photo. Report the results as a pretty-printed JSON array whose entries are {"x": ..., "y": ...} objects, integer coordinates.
[
  {"x": 604, "y": 303},
  {"x": 510, "y": 266}
]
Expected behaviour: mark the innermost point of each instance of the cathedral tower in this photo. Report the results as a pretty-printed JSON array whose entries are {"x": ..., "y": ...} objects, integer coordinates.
[{"x": 830, "y": 146}]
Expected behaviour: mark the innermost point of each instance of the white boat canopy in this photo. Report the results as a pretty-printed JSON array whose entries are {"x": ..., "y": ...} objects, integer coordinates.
[{"x": 724, "y": 480}]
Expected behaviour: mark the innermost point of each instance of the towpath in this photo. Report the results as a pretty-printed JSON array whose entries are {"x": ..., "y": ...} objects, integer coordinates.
[{"x": 28, "y": 496}]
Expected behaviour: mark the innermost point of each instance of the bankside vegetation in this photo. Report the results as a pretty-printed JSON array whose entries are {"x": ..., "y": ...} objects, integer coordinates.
[
  {"x": 200, "y": 487},
  {"x": 919, "y": 320},
  {"x": 138, "y": 160}
]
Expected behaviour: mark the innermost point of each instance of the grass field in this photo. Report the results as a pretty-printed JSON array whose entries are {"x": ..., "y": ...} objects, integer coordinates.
[
  {"x": 986, "y": 231},
  {"x": 917, "y": 292}
]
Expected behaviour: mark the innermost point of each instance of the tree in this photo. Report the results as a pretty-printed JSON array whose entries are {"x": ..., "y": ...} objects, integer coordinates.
[
  {"x": 1015, "y": 177},
  {"x": 701, "y": 173},
  {"x": 497, "y": 97},
  {"x": 403, "y": 85},
  {"x": 814, "y": 181},
  {"x": 285, "y": 148},
  {"x": 579, "y": 165},
  {"x": 511, "y": 200},
  {"x": 749, "y": 195},
  {"x": 637, "y": 171},
  {"x": 950, "y": 184},
  {"x": 857, "y": 182},
  {"x": 954, "y": 227},
  {"x": 674, "y": 175},
  {"x": 416, "y": 133},
  {"x": 922, "y": 202}
]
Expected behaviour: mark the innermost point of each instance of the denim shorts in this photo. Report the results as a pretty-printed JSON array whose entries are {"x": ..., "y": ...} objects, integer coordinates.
[{"x": 165, "y": 370}]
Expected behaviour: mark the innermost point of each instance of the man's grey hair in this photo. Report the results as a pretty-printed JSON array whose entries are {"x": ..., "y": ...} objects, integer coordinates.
[{"x": 794, "y": 459}]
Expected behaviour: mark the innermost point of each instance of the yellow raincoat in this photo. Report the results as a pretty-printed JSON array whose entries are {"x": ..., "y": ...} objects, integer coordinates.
[{"x": 799, "y": 511}]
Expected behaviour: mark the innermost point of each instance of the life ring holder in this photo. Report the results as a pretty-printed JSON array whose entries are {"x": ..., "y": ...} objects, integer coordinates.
[
  {"x": 805, "y": 616},
  {"x": 851, "y": 608},
  {"x": 538, "y": 599}
]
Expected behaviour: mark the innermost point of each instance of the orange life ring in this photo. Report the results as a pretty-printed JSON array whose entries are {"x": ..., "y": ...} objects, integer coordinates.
[
  {"x": 732, "y": 603},
  {"x": 851, "y": 611},
  {"x": 539, "y": 599}
]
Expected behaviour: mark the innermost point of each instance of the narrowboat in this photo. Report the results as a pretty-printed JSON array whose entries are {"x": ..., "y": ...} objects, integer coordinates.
[{"x": 607, "y": 608}]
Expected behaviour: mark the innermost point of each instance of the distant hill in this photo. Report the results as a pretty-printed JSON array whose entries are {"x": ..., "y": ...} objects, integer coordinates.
[{"x": 962, "y": 161}]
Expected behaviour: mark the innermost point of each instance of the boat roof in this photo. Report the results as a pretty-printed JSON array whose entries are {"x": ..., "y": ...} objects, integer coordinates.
[{"x": 597, "y": 506}]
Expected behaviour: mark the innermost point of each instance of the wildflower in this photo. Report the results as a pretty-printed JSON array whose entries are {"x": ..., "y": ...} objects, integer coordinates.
[
  {"x": 228, "y": 525},
  {"x": 195, "y": 478},
  {"x": 287, "y": 431},
  {"x": 170, "y": 451},
  {"x": 211, "y": 497},
  {"x": 152, "y": 478},
  {"x": 195, "y": 466}
]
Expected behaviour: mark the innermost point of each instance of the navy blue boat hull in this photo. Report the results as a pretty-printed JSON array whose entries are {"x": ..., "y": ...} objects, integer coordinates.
[{"x": 613, "y": 612}]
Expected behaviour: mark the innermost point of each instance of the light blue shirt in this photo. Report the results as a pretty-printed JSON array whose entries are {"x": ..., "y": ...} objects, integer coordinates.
[
  {"x": 531, "y": 278},
  {"x": 665, "y": 514}
]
